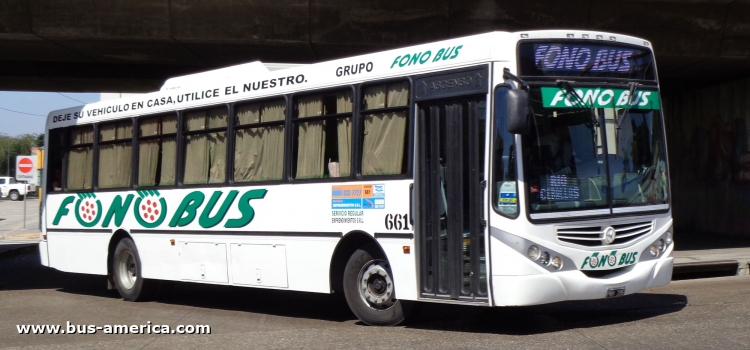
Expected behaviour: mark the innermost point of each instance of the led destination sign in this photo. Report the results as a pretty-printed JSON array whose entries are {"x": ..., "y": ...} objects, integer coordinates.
[{"x": 587, "y": 60}]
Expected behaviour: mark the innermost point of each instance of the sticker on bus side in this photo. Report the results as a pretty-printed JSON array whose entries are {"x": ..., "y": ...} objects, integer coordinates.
[
  {"x": 608, "y": 261},
  {"x": 366, "y": 196}
]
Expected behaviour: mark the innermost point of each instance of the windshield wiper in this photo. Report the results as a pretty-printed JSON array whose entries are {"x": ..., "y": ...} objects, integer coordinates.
[
  {"x": 631, "y": 91},
  {"x": 568, "y": 86}
]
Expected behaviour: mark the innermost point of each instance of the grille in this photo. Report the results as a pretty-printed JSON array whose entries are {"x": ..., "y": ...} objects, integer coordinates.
[{"x": 593, "y": 236}]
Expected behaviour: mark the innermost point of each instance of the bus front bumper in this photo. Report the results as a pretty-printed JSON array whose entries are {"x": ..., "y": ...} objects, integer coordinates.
[{"x": 575, "y": 285}]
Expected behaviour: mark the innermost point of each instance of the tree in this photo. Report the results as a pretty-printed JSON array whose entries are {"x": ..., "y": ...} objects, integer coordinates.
[{"x": 12, "y": 146}]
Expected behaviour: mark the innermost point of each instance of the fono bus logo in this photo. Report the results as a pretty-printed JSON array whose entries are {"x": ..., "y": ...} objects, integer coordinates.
[
  {"x": 88, "y": 209},
  {"x": 149, "y": 208}
]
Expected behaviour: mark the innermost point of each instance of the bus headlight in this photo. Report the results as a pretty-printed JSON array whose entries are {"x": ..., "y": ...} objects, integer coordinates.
[
  {"x": 534, "y": 252},
  {"x": 668, "y": 237},
  {"x": 654, "y": 251},
  {"x": 556, "y": 262},
  {"x": 544, "y": 258},
  {"x": 660, "y": 244}
]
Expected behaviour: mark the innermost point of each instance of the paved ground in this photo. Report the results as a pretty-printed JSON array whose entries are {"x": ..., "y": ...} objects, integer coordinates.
[
  {"x": 686, "y": 314},
  {"x": 11, "y": 221}
]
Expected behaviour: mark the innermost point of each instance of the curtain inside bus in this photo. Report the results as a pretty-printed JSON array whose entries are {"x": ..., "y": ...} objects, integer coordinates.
[
  {"x": 80, "y": 159},
  {"x": 156, "y": 162},
  {"x": 383, "y": 147},
  {"x": 205, "y": 153},
  {"x": 259, "y": 152},
  {"x": 115, "y": 158},
  {"x": 344, "y": 130},
  {"x": 313, "y": 138}
]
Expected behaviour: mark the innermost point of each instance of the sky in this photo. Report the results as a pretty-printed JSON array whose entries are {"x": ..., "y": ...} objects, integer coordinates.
[{"x": 23, "y": 112}]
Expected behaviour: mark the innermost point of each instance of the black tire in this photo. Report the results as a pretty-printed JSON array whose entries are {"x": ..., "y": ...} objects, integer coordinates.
[
  {"x": 391, "y": 311},
  {"x": 126, "y": 273},
  {"x": 14, "y": 196}
]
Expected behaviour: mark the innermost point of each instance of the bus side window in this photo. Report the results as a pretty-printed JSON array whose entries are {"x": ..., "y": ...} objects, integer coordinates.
[
  {"x": 505, "y": 189},
  {"x": 323, "y": 133},
  {"x": 80, "y": 158},
  {"x": 259, "y": 141},
  {"x": 205, "y": 146},
  {"x": 115, "y": 154},
  {"x": 157, "y": 151},
  {"x": 54, "y": 153},
  {"x": 385, "y": 109}
]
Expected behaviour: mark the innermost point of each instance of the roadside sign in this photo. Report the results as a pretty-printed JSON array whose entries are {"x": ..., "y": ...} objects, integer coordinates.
[{"x": 26, "y": 169}]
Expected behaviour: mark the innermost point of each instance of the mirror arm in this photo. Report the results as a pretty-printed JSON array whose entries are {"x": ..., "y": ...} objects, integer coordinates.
[{"x": 508, "y": 75}]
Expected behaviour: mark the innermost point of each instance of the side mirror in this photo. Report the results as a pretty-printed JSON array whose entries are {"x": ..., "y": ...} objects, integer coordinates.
[{"x": 518, "y": 111}]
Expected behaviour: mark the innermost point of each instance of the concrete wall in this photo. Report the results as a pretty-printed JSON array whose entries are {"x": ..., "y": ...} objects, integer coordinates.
[{"x": 709, "y": 154}]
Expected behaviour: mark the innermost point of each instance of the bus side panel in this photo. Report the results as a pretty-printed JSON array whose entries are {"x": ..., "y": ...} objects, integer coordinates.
[
  {"x": 159, "y": 258},
  {"x": 43, "y": 253},
  {"x": 80, "y": 252},
  {"x": 403, "y": 266},
  {"x": 308, "y": 263},
  {"x": 307, "y": 260}
]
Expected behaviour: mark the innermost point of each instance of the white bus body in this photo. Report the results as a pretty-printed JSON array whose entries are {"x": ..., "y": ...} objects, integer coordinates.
[{"x": 285, "y": 234}]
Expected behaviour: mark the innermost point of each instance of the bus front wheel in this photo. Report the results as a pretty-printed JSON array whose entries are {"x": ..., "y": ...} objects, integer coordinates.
[
  {"x": 126, "y": 271},
  {"x": 369, "y": 290}
]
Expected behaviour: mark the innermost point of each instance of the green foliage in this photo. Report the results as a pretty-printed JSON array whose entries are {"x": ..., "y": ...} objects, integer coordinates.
[{"x": 16, "y": 146}]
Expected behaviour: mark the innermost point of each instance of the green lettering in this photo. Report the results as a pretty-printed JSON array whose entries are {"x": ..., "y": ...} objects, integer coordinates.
[
  {"x": 395, "y": 61},
  {"x": 438, "y": 55},
  {"x": 62, "y": 210},
  {"x": 248, "y": 213},
  {"x": 414, "y": 58},
  {"x": 623, "y": 259},
  {"x": 632, "y": 258},
  {"x": 404, "y": 60},
  {"x": 448, "y": 53},
  {"x": 455, "y": 53},
  {"x": 425, "y": 57},
  {"x": 206, "y": 220},
  {"x": 96, "y": 218},
  {"x": 603, "y": 261},
  {"x": 189, "y": 206},
  {"x": 118, "y": 209},
  {"x": 584, "y": 262}
]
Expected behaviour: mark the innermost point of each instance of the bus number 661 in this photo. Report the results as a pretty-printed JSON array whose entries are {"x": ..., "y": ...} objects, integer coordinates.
[{"x": 397, "y": 222}]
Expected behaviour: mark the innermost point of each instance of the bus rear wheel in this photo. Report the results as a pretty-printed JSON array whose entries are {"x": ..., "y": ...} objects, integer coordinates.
[
  {"x": 369, "y": 290},
  {"x": 126, "y": 272}
]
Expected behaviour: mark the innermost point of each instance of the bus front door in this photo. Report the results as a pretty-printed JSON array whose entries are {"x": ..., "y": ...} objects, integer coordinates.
[{"x": 450, "y": 183}]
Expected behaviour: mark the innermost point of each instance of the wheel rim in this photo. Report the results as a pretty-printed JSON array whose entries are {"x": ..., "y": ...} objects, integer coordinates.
[
  {"x": 13, "y": 196},
  {"x": 376, "y": 285},
  {"x": 127, "y": 269}
]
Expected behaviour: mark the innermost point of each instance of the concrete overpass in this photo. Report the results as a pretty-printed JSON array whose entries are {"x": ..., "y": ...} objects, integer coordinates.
[
  {"x": 702, "y": 47},
  {"x": 132, "y": 46}
]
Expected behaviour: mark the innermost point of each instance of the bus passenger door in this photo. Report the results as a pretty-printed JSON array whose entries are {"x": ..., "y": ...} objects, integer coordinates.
[{"x": 450, "y": 184}]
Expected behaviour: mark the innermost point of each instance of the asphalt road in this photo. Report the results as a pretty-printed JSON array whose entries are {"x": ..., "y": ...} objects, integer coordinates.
[
  {"x": 686, "y": 314},
  {"x": 11, "y": 215}
]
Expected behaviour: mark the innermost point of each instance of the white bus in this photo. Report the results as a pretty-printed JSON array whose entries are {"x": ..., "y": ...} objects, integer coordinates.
[{"x": 493, "y": 170}]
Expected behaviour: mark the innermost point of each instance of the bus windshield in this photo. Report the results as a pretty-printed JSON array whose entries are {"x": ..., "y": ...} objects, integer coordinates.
[{"x": 597, "y": 155}]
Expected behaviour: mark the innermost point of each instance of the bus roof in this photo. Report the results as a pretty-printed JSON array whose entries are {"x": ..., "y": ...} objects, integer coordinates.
[{"x": 258, "y": 80}]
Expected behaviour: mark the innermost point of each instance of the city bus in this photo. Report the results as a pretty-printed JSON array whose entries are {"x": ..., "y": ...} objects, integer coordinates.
[{"x": 500, "y": 169}]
